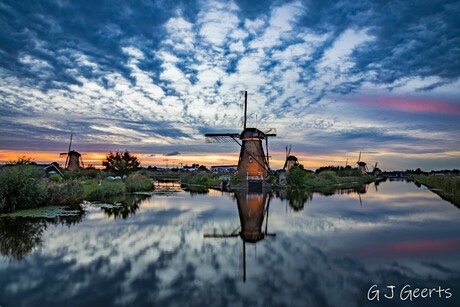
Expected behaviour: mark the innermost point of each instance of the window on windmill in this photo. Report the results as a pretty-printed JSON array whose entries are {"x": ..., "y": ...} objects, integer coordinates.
[{"x": 250, "y": 159}]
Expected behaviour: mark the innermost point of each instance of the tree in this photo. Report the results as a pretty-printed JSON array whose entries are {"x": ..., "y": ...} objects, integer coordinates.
[{"x": 121, "y": 163}]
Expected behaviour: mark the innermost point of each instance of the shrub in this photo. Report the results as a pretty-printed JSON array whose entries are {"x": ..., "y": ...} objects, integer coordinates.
[
  {"x": 21, "y": 186},
  {"x": 297, "y": 177},
  {"x": 328, "y": 176},
  {"x": 138, "y": 183},
  {"x": 55, "y": 177},
  {"x": 69, "y": 193},
  {"x": 106, "y": 190}
]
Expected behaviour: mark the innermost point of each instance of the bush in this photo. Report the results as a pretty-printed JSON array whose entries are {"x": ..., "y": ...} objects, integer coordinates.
[
  {"x": 56, "y": 178},
  {"x": 106, "y": 190},
  {"x": 69, "y": 193},
  {"x": 138, "y": 183},
  {"x": 297, "y": 177},
  {"x": 328, "y": 176},
  {"x": 21, "y": 186}
]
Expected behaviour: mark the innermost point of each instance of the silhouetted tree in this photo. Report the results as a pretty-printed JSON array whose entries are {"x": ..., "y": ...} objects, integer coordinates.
[{"x": 121, "y": 163}]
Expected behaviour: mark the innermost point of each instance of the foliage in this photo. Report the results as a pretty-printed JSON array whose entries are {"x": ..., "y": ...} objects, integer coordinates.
[
  {"x": 340, "y": 170},
  {"x": 138, "y": 183},
  {"x": 21, "y": 186},
  {"x": 297, "y": 177},
  {"x": 105, "y": 190},
  {"x": 83, "y": 173},
  {"x": 69, "y": 193},
  {"x": 21, "y": 160},
  {"x": 121, "y": 163},
  {"x": 55, "y": 178},
  {"x": 235, "y": 180}
]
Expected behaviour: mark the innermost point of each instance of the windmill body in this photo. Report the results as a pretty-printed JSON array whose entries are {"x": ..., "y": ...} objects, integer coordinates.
[
  {"x": 74, "y": 159},
  {"x": 290, "y": 162},
  {"x": 362, "y": 166},
  {"x": 252, "y": 162}
]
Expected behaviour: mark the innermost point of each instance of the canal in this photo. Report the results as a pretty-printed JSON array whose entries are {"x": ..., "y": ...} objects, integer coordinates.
[{"x": 380, "y": 246}]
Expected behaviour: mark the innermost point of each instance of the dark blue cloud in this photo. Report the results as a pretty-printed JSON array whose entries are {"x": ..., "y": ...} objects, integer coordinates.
[{"x": 123, "y": 63}]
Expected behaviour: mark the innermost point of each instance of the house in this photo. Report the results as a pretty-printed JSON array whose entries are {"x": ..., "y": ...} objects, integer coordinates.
[{"x": 224, "y": 168}]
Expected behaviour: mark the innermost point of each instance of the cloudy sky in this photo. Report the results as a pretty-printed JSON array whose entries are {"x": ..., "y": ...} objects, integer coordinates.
[{"x": 333, "y": 77}]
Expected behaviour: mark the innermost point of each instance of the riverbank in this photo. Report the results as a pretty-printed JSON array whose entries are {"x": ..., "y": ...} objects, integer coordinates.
[
  {"x": 24, "y": 187},
  {"x": 447, "y": 187}
]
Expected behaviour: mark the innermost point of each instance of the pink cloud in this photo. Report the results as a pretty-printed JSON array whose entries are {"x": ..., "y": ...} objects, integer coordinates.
[
  {"x": 417, "y": 105},
  {"x": 413, "y": 248}
]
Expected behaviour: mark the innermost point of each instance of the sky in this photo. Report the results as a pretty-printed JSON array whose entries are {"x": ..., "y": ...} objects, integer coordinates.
[{"x": 334, "y": 78}]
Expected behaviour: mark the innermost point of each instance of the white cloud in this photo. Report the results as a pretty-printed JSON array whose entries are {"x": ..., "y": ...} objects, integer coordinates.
[
  {"x": 134, "y": 52},
  {"x": 217, "y": 22},
  {"x": 280, "y": 24}
]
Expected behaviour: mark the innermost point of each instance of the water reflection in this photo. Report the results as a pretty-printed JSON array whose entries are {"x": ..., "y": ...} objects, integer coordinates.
[
  {"x": 121, "y": 208},
  {"x": 21, "y": 236},
  {"x": 327, "y": 254},
  {"x": 253, "y": 210},
  {"x": 296, "y": 199}
]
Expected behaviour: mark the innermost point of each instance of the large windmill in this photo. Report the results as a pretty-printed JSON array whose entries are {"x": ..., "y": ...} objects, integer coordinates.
[
  {"x": 73, "y": 160},
  {"x": 362, "y": 165},
  {"x": 253, "y": 163}
]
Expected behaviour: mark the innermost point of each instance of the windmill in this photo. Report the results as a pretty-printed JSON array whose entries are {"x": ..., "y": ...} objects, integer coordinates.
[
  {"x": 73, "y": 159},
  {"x": 290, "y": 160},
  {"x": 253, "y": 163},
  {"x": 376, "y": 171},
  {"x": 362, "y": 165}
]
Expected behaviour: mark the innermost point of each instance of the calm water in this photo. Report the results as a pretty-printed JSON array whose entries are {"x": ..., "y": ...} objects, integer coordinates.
[{"x": 221, "y": 249}]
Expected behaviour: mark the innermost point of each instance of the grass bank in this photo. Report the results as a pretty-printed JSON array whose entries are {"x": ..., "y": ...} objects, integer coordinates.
[
  {"x": 198, "y": 182},
  {"x": 324, "y": 182},
  {"x": 447, "y": 187}
]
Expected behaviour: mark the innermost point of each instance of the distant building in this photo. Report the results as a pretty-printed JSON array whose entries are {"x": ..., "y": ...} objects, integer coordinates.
[{"x": 224, "y": 168}]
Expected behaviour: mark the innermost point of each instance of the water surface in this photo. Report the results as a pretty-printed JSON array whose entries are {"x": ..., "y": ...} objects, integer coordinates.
[{"x": 219, "y": 249}]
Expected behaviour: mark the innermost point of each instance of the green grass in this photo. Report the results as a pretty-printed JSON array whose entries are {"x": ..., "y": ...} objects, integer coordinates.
[
  {"x": 138, "y": 183},
  {"x": 325, "y": 182},
  {"x": 447, "y": 187},
  {"x": 108, "y": 188}
]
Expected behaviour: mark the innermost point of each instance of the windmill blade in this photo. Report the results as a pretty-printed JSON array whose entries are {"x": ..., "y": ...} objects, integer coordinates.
[
  {"x": 70, "y": 144},
  {"x": 359, "y": 159},
  {"x": 269, "y": 131},
  {"x": 67, "y": 161},
  {"x": 234, "y": 233},
  {"x": 63, "y": 153},
  {"x": 346, "y": 163},
  {"x": 221, "y": 137},
  {"x": 81, "y": 161},
  {"x": 289, "y": 153}
]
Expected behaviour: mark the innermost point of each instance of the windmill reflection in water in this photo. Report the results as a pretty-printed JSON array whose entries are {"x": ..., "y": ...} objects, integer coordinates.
[{"x": 253, "y": 210}]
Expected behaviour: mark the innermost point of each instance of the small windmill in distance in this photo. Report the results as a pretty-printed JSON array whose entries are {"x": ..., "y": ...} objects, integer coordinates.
[
  {"x": 362, "y": 165},
  {"x": 290, "y": 160},
  {"x": 73, "y": 159}
]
